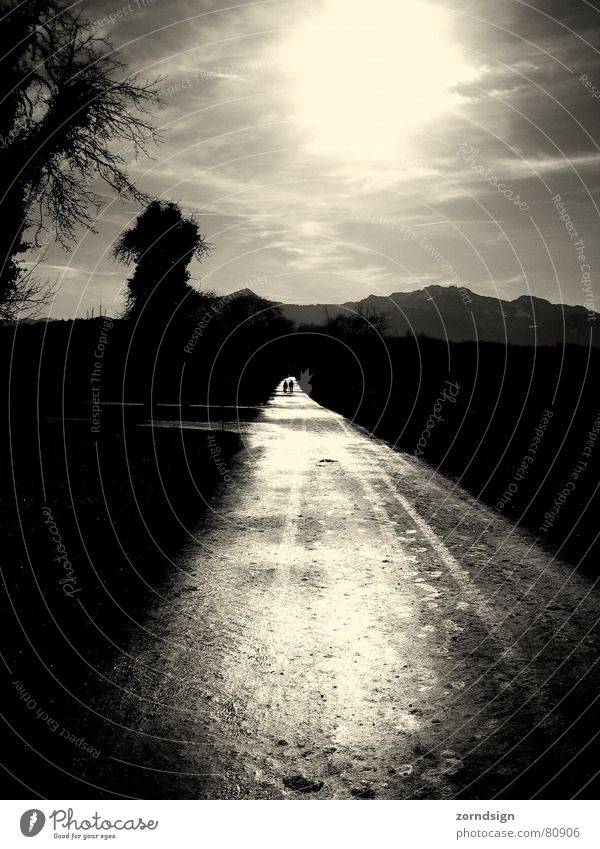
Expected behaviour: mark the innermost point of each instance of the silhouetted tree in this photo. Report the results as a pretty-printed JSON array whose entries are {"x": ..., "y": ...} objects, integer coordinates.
[
  {"x": 65, "y": 100},
  {"x": 162, "y": 243},
  {"x": 248, "y": 313},
  {"x": 363, "y": 321}
]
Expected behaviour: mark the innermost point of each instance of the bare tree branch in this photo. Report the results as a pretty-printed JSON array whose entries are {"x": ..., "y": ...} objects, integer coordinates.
[{"x": 70, "y": 115}]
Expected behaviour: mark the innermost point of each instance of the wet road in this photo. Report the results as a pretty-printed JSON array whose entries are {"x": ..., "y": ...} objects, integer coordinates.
[{"x": 349, "y": 624}]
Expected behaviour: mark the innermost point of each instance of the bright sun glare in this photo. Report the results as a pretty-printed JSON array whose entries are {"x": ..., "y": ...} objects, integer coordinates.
[{"x": 368, "y": 73}]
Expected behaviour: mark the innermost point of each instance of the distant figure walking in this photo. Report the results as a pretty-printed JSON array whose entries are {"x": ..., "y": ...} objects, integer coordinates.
[
  {"x": 285, "y": 385},
  {"x": 291, "y": 385}
]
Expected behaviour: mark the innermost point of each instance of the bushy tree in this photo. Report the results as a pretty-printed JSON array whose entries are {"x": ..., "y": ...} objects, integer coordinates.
[{"x": 161, "y": 243}]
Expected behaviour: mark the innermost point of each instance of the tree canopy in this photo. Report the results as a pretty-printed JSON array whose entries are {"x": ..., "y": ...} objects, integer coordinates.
[{"x": 161, "y": 243}]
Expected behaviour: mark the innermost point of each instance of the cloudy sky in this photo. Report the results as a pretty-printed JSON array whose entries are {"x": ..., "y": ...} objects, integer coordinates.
[{"x": 336, "y": 148}]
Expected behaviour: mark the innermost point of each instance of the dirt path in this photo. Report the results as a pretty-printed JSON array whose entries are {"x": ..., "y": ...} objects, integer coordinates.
[{"x": 346, "y": 624}]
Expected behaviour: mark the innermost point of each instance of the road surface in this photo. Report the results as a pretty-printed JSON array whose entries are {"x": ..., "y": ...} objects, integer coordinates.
[{"x": 349, "y": 624}]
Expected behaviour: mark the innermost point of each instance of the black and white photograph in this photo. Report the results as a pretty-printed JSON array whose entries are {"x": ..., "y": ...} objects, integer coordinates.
[{"x": 300, "y": 407}]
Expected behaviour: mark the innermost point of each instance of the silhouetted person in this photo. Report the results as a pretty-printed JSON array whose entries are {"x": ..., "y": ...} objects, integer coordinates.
[
  {"x": 291, "y": 385},
  {"x": 285, "y": 385}
]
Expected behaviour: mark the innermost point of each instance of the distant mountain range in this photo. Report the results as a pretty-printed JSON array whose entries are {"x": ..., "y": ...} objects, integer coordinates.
[{"x": 457, "y": 314}]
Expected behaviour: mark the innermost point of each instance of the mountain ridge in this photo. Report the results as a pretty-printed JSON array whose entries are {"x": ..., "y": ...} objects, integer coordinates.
[{"x": 457, "y": 314}]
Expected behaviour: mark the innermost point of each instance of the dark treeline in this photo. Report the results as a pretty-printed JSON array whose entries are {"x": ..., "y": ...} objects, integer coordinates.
[
  {"x": 515, "y": 425},
  {"x": 214, "y": 354}
]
